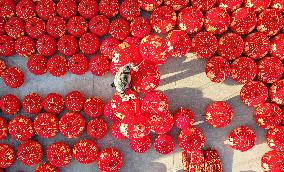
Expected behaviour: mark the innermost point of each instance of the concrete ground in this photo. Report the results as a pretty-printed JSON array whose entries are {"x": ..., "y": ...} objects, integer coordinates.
[{"x": 186, "y": 85}]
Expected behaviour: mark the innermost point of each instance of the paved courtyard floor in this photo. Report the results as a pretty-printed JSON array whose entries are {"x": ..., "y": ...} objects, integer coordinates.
[{"x": 186, "y": 85}]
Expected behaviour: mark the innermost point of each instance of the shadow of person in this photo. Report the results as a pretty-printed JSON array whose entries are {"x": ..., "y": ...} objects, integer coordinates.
[
  {"x": 180, "y": 68},
  {"x": 186, "y": 97}
]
